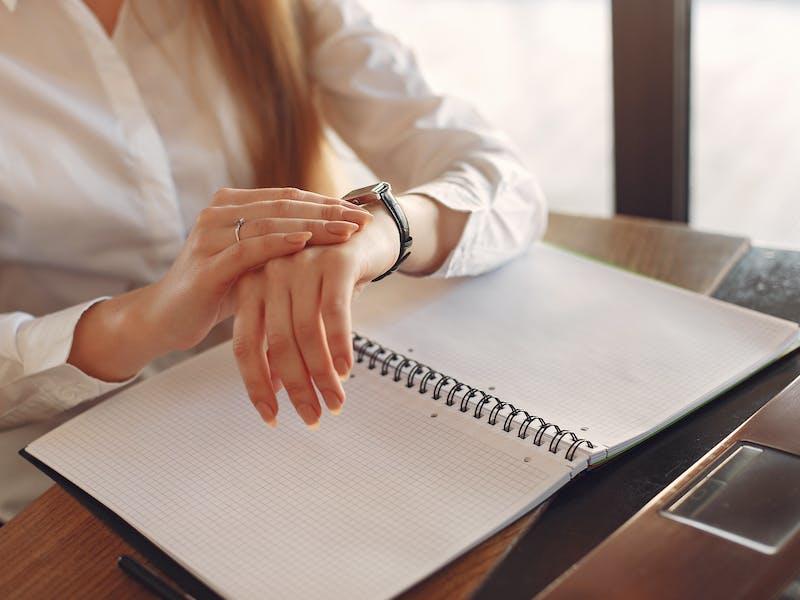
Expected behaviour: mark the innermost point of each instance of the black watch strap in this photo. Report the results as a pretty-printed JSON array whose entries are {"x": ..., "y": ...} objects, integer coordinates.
[{"x": 383, "y": 192}]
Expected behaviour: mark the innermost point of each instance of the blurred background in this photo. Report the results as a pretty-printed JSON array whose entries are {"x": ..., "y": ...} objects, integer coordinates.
[{"x": 542, "y": 71}]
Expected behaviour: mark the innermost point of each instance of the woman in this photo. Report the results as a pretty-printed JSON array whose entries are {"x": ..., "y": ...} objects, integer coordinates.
[{"x": 163, "y": 167}]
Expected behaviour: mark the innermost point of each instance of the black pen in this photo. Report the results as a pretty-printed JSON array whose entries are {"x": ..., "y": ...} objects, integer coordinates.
[{"x": 133, "y": 568}]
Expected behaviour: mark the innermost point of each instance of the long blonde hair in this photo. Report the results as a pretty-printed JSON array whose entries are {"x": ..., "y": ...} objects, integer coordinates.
[{"x": 263, "y": 50}]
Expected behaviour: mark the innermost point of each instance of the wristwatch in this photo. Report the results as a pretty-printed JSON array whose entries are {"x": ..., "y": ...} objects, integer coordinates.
[{"x": 382, "y": 192}]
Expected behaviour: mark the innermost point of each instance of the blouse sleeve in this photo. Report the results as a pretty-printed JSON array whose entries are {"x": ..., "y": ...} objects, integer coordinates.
[
  {"x": 36, "y": 381},
  {"x": 376, "y": 99}
]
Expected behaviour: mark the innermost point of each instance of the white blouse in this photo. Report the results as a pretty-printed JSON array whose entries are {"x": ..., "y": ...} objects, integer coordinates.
[{"x": 109, "y": 147}]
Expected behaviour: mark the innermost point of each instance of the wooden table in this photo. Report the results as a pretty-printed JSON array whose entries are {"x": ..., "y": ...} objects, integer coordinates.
[{"x": 57, "y": 549}]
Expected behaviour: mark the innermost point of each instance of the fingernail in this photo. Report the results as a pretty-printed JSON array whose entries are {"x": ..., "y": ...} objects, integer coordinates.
[
  {"x": 357, "y": 216},
  {"x": 297, "y": 237},
  {"x": 333, "y": 400},
  {"x": 309, "y": 415},
  {"x": 342, "y": 369},
  {"x": 348, "y": 204},
  {"x": 340, "y": 227},
  {"x": 267, "y": 414}
]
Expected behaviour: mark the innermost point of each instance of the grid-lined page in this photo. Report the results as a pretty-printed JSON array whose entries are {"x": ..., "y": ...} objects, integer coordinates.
[
  {"x": 602, "y": 352},
  {"x": 375, "y": 500}
]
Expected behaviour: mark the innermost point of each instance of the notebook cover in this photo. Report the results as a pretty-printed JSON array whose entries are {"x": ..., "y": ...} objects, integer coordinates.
[{"x": 182, "y": 577}]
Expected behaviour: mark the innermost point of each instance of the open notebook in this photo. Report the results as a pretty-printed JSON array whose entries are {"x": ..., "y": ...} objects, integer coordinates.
[{"x": 471, "y": 402}]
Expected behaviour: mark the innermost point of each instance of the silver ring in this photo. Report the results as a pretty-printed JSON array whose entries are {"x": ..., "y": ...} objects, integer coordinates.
[{"x": 237, "y": 227}]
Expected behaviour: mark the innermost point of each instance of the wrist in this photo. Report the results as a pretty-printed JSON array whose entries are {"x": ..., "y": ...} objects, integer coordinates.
[
  {"x": 384, "y": 241},
  {"x": 111, "y": 341},
  {"x": 162, "y": 328},
  {"x": 142, "y": 321}
]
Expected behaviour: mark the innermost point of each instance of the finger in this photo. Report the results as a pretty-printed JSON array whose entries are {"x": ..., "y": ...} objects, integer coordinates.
[
  {"x": 233, "y": 196},
  {"x": 335, "y": 301},
  {"x": 243, "y": 256},
  {"x": 322, "y": 232},
  {"x": 226, "y": 216},
  {"x": 248, "y": 349},
  {"x": 310, "y": 337},
  {"x": 283, "y": 355}
]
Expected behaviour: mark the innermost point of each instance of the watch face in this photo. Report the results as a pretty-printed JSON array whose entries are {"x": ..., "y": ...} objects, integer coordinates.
[{"x": 366, "y": 195}]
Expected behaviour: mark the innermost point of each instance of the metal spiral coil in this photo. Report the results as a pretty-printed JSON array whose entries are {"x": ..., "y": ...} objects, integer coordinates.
[{"x": 422, "y": 376}]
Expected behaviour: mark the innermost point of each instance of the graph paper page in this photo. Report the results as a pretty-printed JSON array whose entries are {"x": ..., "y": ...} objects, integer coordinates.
[
  {"x": 602, "y": 352},
  {"x": 376, "y": 499}
]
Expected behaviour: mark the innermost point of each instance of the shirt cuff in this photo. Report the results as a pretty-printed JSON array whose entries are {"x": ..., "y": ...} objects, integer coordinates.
[
  {"x": 500, "y": 226},
  {"x": 44, "y": 344},
  {"x": 457, "y": 197}
]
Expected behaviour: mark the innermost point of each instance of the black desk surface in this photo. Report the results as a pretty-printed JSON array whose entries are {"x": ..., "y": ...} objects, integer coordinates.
[{"x": 593, "y": 506}]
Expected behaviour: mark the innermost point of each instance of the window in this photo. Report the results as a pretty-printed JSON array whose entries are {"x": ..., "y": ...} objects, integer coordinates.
[
  {"x": 538, "y": 69},
  {"x": 745, "y": 123}
]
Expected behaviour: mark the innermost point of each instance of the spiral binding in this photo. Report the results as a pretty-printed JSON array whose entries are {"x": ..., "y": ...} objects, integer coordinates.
[{"x": 422, "y": 376}]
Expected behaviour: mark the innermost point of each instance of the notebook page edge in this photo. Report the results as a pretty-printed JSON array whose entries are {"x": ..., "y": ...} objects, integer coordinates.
[{"x": 792, "y": 343}]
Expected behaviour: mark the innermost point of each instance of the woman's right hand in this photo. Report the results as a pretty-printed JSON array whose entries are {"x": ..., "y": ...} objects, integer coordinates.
[
  {"x": 189, "y": 298},
  {"x": 115, "y": 338}
]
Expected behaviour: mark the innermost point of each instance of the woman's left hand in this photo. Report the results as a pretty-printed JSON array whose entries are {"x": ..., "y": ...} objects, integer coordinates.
[{"x": 300, "y": 305}]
